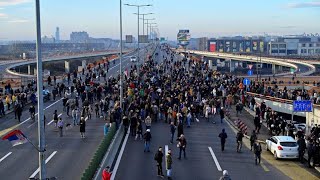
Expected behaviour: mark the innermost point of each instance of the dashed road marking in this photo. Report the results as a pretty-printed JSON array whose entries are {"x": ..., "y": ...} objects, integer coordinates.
[
  {"x": 215, "y": 159},
  {"x": 4, "y": 157},
  {"x": 47, "y": 160}
]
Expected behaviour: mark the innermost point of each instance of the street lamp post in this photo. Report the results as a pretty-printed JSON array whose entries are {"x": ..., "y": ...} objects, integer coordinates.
[
  {"x": 150, "y": 26},
  {"x": 120, "y": 71},
  {"x": 41, "y": 137},
  {"x": 143, "y": 20},
  {"x": 147, "y": 23},
  {"x": 138, "y": 7}
]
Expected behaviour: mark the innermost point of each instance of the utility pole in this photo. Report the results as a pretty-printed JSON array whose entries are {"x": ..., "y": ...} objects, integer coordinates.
[{"x": 41, "y": 135}]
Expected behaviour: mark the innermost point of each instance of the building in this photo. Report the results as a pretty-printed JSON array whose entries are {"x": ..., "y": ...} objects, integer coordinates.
[
  {"x": 238, "y": 44},
  {"x": 294, "y": 46},
  {"x": 57, "y": 35},
  {"x": 46, "y": 39},
  {"x": 79, "y": 37},
  {"x": 202, "y": 44}
]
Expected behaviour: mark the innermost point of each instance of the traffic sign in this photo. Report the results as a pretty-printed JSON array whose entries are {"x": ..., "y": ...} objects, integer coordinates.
[
  {"x": 246, "y": 81},
  {"x": 250, "y": 72},
  {"x": 250, "y": 66},
  {"x": 302, "y": 106}
]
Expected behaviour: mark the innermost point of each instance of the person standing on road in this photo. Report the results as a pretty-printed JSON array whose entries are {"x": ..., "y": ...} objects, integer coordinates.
[
  {"x": 222, "y": 113},
  {"x": 148, "y": 122},
  {"x": 225, "y": 175},
  {"x": 182, "y": 144},
  {"x": 60, "y": 126},
  {"x": 158, "y": 157},
  {"x": 106, "y": 173},
  {"x": 55, "y": 118},
  {"x": 257, "y": 151},
  {"x": 82, "y": 127},
  {"x": 172, "y": 131},
  {"x": 75, "y": 116},
  {"x": 253, "y": 138},
  {"x": 147, "y": 138},
  {"x": 310, "y": 152},
  {"x": 169, "y": 165},
  {"x": 19, "y": 111},
  {"x": 223, "y": 136},
  {"x": 302, "y": 147},
  {"x": 239, "y": 140}
]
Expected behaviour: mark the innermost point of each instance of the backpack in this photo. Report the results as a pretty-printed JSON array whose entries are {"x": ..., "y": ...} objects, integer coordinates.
[{"x": 156, "y": 156}]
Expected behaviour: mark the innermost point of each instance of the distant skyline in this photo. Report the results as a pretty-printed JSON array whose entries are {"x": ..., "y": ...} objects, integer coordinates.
[{"x": 204, "y": 18}]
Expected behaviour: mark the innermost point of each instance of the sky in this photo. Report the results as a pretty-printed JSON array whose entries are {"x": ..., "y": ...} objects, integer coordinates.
[{"x": 204, "y": 18}]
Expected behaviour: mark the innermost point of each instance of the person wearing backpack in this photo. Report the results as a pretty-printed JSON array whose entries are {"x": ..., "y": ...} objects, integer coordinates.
[
  {"x": 158, "y": 157},
  {"x": 257, "y": 152}
]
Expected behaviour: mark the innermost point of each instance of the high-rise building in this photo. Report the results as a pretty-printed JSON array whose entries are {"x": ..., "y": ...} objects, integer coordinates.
[
  {"x": 57, "y": 34},
  {"x": 79, "y": 37}
]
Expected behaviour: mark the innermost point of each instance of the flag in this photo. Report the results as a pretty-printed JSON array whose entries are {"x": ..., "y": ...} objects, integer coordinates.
[{"x": 16, "y": 137}]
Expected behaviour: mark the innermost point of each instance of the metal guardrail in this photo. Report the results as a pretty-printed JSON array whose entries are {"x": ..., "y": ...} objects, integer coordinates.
[{"x": 275, "y": 99}]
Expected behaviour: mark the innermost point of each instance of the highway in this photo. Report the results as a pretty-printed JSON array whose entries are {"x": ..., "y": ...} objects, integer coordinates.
[
  {"x": 66, "y": 157},
  {"x": 205, "y": 160}
]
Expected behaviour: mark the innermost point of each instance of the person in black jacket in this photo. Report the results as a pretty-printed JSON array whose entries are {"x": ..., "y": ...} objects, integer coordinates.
[
  {"x": 310, "y": 152},
  {"x": 223, "y": 136},
  {"x": 182, "y": 144},
  {"x": 147, "y": 138},
  {"x": 158, "y": 157},
  {"x": 302, "y": 147}
]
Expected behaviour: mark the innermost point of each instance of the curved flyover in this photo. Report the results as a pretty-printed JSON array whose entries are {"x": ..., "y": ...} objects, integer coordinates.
[{"x": 287, "y": 63}]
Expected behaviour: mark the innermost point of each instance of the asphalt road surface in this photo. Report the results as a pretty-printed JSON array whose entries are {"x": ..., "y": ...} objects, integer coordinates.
[{"x": 66, "y": 157}]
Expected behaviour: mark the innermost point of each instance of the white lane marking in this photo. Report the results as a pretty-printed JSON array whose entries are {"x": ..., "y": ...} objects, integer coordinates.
[
  {"x": 52, "y": 119},
  {"x": 215, "y": 159},
  {"x": 37, "y": 113},
  {"x": 166, "y": 148},
  {"x": 4, "y": 157},
  {"x": 47, "y": 160},
  {"x": 52, "y": 104},
  {"x": 116, "y": 166}
]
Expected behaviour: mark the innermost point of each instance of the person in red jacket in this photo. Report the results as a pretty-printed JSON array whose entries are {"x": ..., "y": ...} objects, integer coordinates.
[{"x": 106, "y": 174}]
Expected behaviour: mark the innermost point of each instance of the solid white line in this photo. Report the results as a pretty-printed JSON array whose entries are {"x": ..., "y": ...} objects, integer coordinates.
[
  {"x": 116, "y": 166},
  {"x": 215, "y": 159},
  {"x": 5, "y": 156},
  {"x": 52, "y": 104},
  {"x": 52, "y": 119},
  {"x": 166, "y": 148},
  {"x": 47, "y": 160}
]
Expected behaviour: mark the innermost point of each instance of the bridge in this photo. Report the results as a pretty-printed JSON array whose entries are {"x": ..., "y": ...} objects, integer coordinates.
[{"x": 295, "y": 64}]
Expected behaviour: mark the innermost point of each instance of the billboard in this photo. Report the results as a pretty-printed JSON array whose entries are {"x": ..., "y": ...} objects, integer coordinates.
[
  {"x": 241, "y": 47},
  {"x": 261, "y": 46},
  {"x": 254, "y": 46},
  {"x": 143, "y": 39},
  {"x": 234, "y": 46},
  {"x": 212, "y": 47},
  {"x": 247, "y": 46},
  {"x": 227, "y": 46},
  {"x": 183, "y": 37},
  {"x": 220, "y": 46}
]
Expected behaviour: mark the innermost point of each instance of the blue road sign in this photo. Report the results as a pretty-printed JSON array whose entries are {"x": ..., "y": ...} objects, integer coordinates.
[
  {"x": 302, "y": 106},
  {"x": 250, "y": 72},
  {"x": 246, "y": 82}
]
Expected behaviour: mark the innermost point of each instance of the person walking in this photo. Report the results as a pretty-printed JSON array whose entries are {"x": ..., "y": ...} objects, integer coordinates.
[
  {"x": 60, "y": 126},
  {"x": 301, "y": 149},
  {"x": 147, "y": 138},
  {"x": 55, "y": 118},
  {"x": 106, "y": 173},
  {"x": 139, "y": 131},
  {"x": 169, "y": 165},
  {"x": 75, "y": 116},
  {"x": 19, "y": 111},
  {"x": 239, "y": 140},
  {"x": 253, "y": 138},
  {"x": 310, "y": 152},
  {"x": 158, "y": 157},
  {"x": 148, "y": 122},
  {"x": 257, "y": 151},
  {"x": 172, "y": 131},
  {"x": 82, "y": 127},
  {"x": 223, "y": 136},
  {"x": 225, "y": 175},
  {"x": 182, "y": 144}
]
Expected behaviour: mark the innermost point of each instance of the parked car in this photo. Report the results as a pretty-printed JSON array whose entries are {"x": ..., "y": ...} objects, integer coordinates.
[
  {"x": 284, "y": 147},
  {"x": 133, "y": 59}
]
